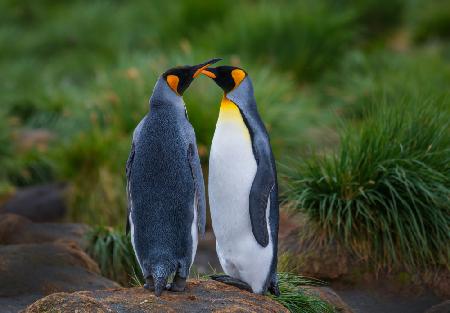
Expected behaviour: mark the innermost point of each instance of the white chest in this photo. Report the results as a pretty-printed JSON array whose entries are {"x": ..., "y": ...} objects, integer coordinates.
[{"x": 232, "y": 168}]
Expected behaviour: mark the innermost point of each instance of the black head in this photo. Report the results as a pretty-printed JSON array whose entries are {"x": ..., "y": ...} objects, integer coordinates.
[
  {"x": 179, "y": 78},
  {"x": 227, "y": 77}
]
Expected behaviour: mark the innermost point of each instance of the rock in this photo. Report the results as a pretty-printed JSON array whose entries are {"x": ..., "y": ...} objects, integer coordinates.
[
  {"x": 327, "y": 294},
  {"x": 200, "y": 296},
  {"x": 443, "y": 307},
  {"x": 31, "y": 271},
  {"x": 16, "y": 229},
  {"x": 43, "y": 203}
]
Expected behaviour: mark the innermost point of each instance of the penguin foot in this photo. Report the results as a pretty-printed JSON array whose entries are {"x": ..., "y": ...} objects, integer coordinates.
[
  {"x": 178, "y": 284},
  {"x": 232, "y": 282},
  {"x": 273, "y": 289},
  {"x": 149, "y": 285}
]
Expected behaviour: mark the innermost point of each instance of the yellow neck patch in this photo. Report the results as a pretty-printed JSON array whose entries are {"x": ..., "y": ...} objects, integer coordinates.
[
  {"x": 172, "y": 81},
  {"x": 229, "y": 110},
  {"x": 238, "y": 75},
  {"x": 230, "y": 114}
]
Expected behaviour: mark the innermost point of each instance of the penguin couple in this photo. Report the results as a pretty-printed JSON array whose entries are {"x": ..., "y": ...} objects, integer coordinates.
[{"x": 166, "y": 193}]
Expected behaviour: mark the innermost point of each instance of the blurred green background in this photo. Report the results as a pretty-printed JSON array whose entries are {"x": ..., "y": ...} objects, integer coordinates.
[{"x": 354, "y": 93}]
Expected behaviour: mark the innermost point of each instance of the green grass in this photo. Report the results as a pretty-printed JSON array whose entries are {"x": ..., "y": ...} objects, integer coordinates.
[
  {"x": 431, "y": 20},
  {"x": 304, "y": 38},
  {"x": 384, "y": 193},
  {"x": 114, "y": 254},
  {"x": 6, "y": 157},
  {"x": 298, "y": 300},
  {"x": 377, "y": 18},
  {"x": 383, "y": 77}
]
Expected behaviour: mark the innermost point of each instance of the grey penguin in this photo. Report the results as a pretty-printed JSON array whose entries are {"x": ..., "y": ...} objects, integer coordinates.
[
  {"x": 165, "y": 187},
  {"x": 242, "y": 187}
]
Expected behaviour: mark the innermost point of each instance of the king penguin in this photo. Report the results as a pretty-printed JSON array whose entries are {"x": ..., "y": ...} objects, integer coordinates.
[
  {"x": 242, "y": 187},
  {"x": 165, "y": 187}
]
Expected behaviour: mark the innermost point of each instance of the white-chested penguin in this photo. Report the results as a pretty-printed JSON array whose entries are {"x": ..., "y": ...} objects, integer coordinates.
[
  {"x": 243, "y": 191},
  {"x": 165, "y": 187}
]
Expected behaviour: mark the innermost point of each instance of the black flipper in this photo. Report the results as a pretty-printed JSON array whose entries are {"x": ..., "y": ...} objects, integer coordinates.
[
  {"x": 265, "y": 177},
  {"x": 128, "y": 174},
  {"x": 197, "y": 175},
  {"x": 232, "y": 282},
  {"x": 129, "y": 166}
]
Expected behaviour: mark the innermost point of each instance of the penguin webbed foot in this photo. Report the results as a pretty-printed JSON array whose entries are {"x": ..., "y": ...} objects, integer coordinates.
[
  {"x": 232, "y": 282},
  {"x": 149, "y": 284},
  {"x": 178, "y": 284},
  {"x": 274, "y": 289}
]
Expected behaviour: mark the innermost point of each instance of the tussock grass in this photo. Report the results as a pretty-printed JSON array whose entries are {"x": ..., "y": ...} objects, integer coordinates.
[
  {"x": 298, "y": 300},
  {"x": 114, "y": 254},
  {"x": 385, "y": 192}
]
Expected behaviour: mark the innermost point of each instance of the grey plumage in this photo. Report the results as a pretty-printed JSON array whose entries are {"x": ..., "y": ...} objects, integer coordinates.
[{"x": 164, "y": 187}]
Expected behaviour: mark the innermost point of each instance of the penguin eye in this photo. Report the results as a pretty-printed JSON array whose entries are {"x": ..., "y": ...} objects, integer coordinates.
[
  {"x": 238, "y": 75},
  {"x": 172, "y": 81}
]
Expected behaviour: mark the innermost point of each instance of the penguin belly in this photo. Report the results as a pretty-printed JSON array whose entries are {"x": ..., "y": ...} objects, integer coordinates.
[{"x": 232, "y": 168}]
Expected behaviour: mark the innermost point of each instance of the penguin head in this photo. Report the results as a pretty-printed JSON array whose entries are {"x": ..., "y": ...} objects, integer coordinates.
[
  {"x": 179, "y": 78},
  {"x": 227, "y": 77}
]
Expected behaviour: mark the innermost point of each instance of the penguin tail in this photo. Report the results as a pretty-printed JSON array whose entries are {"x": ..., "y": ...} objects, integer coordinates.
[
  {"x": 160, "y": 275},
  {"x": 160, "y": 284}
]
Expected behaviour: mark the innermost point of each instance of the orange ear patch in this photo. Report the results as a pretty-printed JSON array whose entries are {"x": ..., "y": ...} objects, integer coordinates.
[
  {"x": 238, "y": 75},
  {"x": 173, "y": 81}
]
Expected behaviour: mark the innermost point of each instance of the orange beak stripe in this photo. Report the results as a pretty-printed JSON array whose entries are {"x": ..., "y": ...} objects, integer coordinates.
[
  {"x": 197, "y": 72},
  {"x": 209, "y": 74}
]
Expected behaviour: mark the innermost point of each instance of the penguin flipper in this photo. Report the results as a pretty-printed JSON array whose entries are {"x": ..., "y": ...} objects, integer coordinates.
[
  {"x": 262, "y": 185},
  {"x": 128, "y": 167},
  {"x": 128, "y": 174},
  {"x": 197, "y": 175}
]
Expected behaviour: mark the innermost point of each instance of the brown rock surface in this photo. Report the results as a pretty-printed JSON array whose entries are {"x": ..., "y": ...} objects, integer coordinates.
[
  {"x": 16, "y": 229},
  {"x": 31, "y": 271},
  {"x": 200, "y": 296},
  {"x": 41, "y": 203},
  {"x": 327, "y": 294}
]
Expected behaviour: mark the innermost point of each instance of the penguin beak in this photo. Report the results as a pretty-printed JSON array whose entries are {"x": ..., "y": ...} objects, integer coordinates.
[
  {"x": 210, "y": 73},
  {"x": 199, "y": 68}
]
